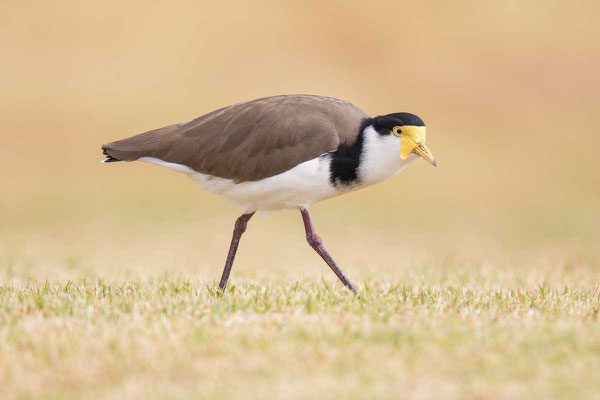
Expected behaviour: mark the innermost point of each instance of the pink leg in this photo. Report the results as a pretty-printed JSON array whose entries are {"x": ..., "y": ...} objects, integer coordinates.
[
  {"x": 238, "y": 230},
  {"x": 316, "y": 243}
]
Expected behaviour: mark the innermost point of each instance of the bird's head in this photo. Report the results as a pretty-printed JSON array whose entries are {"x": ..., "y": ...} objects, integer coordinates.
[{"x": 409, "y": 129}]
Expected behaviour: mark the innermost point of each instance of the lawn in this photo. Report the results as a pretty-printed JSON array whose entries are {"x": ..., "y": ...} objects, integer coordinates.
[
  {"x": 113, "y": 295},
  {"x": 452, "y": 333}
]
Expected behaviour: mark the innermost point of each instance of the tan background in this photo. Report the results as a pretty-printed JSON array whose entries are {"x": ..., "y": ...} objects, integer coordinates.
[{"x": 509, "y": 91}]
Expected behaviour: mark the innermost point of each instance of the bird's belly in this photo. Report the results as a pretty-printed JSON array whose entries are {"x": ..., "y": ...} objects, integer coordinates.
[{"x": 305, "y": 184}]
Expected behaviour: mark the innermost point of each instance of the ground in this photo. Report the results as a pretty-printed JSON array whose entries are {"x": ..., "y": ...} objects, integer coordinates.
[
  {"x": 128, "y": 308},
  {"x": 475, "y": 337}
]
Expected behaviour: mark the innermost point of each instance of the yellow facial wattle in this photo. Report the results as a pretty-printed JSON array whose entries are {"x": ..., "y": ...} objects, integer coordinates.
[{"x": 410, "y": 138}]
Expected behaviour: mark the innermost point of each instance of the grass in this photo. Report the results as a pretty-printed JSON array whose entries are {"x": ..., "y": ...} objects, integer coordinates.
[
  {"x": 118, "y": 300},
  {"x": 481, "y": 336},
  {"x": 108, "y": 303}
]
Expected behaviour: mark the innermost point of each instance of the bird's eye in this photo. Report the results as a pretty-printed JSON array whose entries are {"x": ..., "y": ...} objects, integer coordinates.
[{"x": 397, "y": 131}]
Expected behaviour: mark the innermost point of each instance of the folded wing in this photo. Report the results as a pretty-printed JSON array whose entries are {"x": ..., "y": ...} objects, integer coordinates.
[{"x": 249, "y": 141}]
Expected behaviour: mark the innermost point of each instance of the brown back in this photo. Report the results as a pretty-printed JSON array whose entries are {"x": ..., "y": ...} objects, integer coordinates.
[{"x": 252, "y": 140}]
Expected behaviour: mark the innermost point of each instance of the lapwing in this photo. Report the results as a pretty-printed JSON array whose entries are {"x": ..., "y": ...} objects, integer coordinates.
[{"x": 282, "y": 152}]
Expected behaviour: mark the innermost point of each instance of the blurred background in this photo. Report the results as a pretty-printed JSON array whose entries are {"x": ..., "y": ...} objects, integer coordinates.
[{"x": 509, "y": 90}]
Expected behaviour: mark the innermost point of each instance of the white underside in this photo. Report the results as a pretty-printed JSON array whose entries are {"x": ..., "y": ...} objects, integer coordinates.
[
  {"x": 305, "y": 184},
  {"x": 299, "y": 187}
]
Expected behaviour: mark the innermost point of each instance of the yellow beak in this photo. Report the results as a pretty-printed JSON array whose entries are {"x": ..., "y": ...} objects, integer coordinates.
[
  {"x": 424, "y": 152},
  {"x": 413, "y": 141}
]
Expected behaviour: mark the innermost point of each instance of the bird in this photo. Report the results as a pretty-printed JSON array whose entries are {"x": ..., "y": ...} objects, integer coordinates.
[{"x": 282, "y": 152}]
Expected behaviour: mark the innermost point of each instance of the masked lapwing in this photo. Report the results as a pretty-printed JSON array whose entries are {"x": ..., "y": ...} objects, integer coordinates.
[{"x": 282, "y": 152}]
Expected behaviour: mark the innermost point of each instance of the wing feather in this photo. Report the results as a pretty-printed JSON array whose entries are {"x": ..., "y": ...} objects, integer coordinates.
[{"x": 252, "y": 140}]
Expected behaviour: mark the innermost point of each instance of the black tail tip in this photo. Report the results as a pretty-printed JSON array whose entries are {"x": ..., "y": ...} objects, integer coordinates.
[{"x": 109, "y": 158}]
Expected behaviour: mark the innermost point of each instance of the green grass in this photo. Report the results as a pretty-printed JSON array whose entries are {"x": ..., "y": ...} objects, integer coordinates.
[
  {"x": 470, "y": 338},
  {"x": 127, "y": 308}
]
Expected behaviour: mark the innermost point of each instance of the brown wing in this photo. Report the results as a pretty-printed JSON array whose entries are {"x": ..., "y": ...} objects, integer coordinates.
[{"x": 252, "y": 140}]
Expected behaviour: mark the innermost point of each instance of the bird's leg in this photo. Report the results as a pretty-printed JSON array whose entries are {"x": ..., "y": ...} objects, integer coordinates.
[
  {"x": 238, "y": 230},
  {"x": 316, "y": 243}
]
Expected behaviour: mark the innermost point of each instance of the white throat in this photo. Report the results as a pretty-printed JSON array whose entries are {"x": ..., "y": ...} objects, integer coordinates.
[{"x": 380, "y": 158}]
